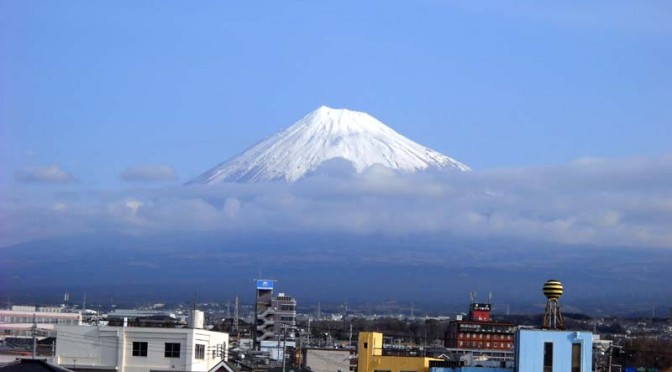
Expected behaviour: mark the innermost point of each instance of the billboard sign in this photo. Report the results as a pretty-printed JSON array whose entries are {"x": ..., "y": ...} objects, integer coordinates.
[
  {"x": 481, "y": 307},
  {"x": 264, "y": 284}
]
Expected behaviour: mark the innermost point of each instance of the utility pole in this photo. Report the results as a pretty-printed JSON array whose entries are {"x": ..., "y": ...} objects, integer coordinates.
[
  {"x": 611, "y": 352},
  {"x": 424, "y": 342},
  {"x": 235, "y": 317},
  {"x": 284, "y": 345},
  {"x": 34, "y": 328}
]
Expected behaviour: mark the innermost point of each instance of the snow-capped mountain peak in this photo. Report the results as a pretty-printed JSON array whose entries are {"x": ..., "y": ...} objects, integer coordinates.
[{"x": 322, "y": 135}]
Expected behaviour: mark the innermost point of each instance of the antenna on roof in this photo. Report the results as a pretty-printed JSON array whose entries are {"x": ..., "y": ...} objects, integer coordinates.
[{"x": 235, "y": 319}]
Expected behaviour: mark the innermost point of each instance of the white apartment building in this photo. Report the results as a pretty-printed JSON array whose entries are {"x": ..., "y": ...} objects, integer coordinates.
[
  {"x": 139, "y": 349},
  {"x": 18, "y": 322}
]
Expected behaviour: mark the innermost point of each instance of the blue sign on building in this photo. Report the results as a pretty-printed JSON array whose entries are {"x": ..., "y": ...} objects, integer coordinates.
[{"x": 264, "y": 284}]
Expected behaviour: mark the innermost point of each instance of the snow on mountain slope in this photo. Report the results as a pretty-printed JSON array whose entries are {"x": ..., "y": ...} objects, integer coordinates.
[{"x": 322, "y": 135}]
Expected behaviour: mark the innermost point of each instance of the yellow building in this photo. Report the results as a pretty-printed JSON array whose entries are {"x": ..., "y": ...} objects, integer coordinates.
[{"x": 371, "y": 358}]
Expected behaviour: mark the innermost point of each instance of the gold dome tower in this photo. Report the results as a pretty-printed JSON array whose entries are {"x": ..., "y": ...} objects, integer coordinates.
[{"x": 552, "y": 316}]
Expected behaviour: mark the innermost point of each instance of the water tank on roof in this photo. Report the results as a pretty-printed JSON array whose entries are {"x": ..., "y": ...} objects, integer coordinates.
[{"x": 196, "y": 319}]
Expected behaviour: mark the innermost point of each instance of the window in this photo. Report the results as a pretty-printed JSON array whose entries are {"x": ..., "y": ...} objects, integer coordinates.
[
  {"x": 576, "y": 357},
  {"x": 200, "y": 351},
  {"x": 172, "y": 350},
  {"x": 140, "y": 349},
  {"x": 548, "y": 357}
]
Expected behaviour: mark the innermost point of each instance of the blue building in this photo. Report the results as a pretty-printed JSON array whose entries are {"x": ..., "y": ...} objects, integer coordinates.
[
  {"x": 553, "y": 351},
  {"x": 539, "y": 350}
]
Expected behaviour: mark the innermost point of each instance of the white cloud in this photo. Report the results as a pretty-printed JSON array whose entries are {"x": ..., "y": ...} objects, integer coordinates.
[
  {"x": 608, "y": 202},
  {"x": 149, "y": 173},
  {"x": 44, "y": 174}
]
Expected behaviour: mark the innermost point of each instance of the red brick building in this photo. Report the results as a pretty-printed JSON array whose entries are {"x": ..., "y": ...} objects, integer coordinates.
[{"x": 478, "y": 331}]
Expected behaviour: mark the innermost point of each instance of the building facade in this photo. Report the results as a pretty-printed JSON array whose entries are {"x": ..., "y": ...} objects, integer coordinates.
[
  {"x": 275, "y": 317},
  {"x": 285, "y": 315},
  {"x": 372, "y": 359},
  {"x": 139, "y": 349},
  {"x": 535, "y": 350},
  {"x": 264, "y": 314},
  {"x": 478, "y": 331},
  {"x": 329, "y": 360},
  {"x": 554, "y": 351},
  {"x": 18, "y": 322}
]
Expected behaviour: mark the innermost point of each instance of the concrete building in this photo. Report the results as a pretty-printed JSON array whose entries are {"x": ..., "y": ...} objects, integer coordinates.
[
  {"x": 554, "y": 351},
  {"x": 264, "y": 314},
  {"x": 277, "y": 349},
  {"x": 535, "y": 350},
  {"x": 139, "y": 349},
  {"x": 372, "y": 359},
  {"x": 328, "y": 360},
  {"x": 18, "y": 322},
  {"x": 478, "y": 331},
  {"x": 285, "y": 315},
  {"x": 135, "y": 314},
  {"x": 275, "y": 317}
]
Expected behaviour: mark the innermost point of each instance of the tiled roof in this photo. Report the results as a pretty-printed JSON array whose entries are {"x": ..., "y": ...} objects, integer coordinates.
[{"x": 32, "y": 365}]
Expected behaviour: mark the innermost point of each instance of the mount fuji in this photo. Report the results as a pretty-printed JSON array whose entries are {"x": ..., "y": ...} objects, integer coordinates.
[{"x": 323, "y": 135}]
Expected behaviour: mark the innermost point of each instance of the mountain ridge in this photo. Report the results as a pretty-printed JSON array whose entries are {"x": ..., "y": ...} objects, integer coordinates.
[{"x": 322, "y": 135}]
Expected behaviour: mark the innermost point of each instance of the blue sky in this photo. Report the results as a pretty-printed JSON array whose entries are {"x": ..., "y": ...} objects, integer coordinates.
[
  {"x": 97, "y": 95},
  {"x": 97, "y": 87}
]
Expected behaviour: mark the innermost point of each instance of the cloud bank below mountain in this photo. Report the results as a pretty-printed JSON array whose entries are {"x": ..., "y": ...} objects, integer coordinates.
[{"x": 599, "y": 202}]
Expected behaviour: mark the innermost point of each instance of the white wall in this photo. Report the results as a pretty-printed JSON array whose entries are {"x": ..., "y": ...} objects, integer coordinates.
[
  {"x": 112, "y": 347},
  {"x": 328, "y": 360}
]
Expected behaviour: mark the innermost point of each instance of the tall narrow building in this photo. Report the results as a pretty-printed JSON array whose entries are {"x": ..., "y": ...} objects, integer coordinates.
[
  {"x": 275, "y": 317},
  {"x": 285, "y": 315},
  {"x": 264, "y": 312}
]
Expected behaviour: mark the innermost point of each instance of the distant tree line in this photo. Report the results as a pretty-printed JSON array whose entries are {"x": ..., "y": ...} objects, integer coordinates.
[{"x": 644, "y": 353}]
